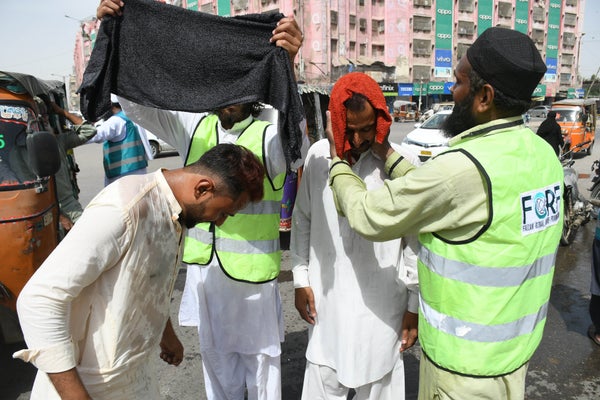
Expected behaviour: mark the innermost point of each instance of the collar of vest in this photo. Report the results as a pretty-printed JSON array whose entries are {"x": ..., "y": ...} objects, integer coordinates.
[{"x": 483, "y": 129}]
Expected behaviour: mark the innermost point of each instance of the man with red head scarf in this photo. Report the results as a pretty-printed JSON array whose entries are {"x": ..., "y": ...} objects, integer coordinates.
[{"x": 359, "y": 297}]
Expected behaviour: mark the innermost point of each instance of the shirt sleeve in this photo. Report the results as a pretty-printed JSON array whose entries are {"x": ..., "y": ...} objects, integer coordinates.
[
  {"x": 113, "y": 129},
  {"x": 300, "y": 235},
  {"x": 447, "y": 193},
  {"x": 408, "y": 271},
  {"x": 78, "y": 136},
  {"x": 93, "y": 246},
  {"x": 174, "y": 127}
]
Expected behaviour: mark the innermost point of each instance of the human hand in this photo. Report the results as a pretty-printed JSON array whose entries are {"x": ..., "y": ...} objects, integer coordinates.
[
  {"x": 329, "y": 134},
  {"x": 410, "y": 331},
  {"x": 109, "y": 7},
  {"x": 305, "y": 304},
  {"x": 288, "y": 35},
  {"x": 65, "y": 222},
  {"x": 383, "y": 150}
]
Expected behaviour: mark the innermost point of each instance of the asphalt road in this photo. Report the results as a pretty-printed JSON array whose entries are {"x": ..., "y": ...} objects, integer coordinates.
[{"x": 565, "y": 366}]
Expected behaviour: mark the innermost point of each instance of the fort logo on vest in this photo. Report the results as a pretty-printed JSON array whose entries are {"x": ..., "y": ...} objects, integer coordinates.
[{"x": 540, "y": 209}]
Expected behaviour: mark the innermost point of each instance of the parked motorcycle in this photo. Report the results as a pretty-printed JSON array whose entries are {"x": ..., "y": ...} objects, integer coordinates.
[{"x": 577, "y": 210}]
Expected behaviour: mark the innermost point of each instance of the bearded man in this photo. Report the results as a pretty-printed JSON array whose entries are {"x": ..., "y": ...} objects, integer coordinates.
[{"x": 489, "y": 223}]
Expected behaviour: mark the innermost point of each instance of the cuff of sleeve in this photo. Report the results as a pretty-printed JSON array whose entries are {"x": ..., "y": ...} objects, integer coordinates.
[
  {"x": 300, "y": 273},
  {"x": 338, "y": 167},
  {"x": 53, "y": 359},
  {"x": 413, "y": 302},
  {"x": 396, "y": 165}
]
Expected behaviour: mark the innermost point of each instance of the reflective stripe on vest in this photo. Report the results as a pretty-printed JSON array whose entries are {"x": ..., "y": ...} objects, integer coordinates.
[
  {"x": 484, "y": 301},
  {"x": 246, "y": 245},
  {"x": 126, "y": 155}
]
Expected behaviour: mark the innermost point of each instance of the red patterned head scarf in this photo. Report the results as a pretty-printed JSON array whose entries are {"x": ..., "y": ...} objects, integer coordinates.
[{"x": 356, "y": 82}]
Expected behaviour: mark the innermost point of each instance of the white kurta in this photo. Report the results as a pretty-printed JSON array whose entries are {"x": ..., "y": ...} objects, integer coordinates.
[
  {"x": 361, "y": 288},
  {"x": 100, "y": 301},
  {"x": 232, "y": 317}
]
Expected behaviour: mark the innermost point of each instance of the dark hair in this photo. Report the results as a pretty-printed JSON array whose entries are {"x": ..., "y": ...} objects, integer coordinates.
[
  {"x": 356, "y": 102},
  {"x": 256, "y": 108},
  {"x": 508, "y": 106},
  {"x": 236, "y": 166}
]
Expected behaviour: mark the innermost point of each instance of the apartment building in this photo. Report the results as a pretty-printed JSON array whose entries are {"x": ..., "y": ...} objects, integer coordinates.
[{"x": 410, "y": 46}]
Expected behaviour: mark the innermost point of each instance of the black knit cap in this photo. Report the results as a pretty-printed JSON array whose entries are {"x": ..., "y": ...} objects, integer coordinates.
[{"x": 508, "y": 60}]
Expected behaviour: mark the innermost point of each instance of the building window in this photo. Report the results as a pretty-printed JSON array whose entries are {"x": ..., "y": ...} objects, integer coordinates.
[
  {"x": 537, "y": 35},
  {"x": 378, "y": 26},
  {"x": 505, "y": 9},
  {"x": 363, "y": 49},
  {"x": 569, "y": 39},
  {"x": 539, "y": 14},
  {"x": 466, "y": 5},
  {"x": 565, "y": 78},
  {"x": 421, "y": 47},
  {"x": 421, "y": 72},
  {"x": 207, "y": 8},
  {"x": 352, "y": 49},
  {"x": 334, "y": 47},
  {"x": 334, "y": 17},
  {"x": 239, "y": 5},
  {"x": 377, "y": 51},
  {"x": 352, "y": 20},
  {"x": 421, "y": 24},
  {"x": 566, "y": 59},
  {"x": 422, "y": 3},
  {"x": 571, "y": 3},
  {"x": 361, "y": 3},
  {"x": 465, "y": 28},
  {"x": 362, "y": 24},
  {"x": 570, "y": 19},
  {"x": 461, "y": 50}
]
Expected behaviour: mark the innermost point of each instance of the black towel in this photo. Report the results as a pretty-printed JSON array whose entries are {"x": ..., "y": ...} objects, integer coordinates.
[{"x": 176, "y": 59}]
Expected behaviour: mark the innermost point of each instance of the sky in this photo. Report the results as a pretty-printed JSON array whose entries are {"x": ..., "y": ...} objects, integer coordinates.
[{"x": 39, "y": 39}]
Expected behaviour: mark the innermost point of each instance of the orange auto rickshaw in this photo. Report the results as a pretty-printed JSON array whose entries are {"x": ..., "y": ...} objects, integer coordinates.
[
  {"x": 29, "y": 158},
  {"x": 577, "y": 120}
]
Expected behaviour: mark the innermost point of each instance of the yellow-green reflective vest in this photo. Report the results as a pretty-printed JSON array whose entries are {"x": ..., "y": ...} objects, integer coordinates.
[
  {"x": 246, "y": 245},
  {"x": 484, "y": 300}
]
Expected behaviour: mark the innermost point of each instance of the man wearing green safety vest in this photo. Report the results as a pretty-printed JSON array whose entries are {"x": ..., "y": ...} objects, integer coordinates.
[{"x": 488, "y": 213}]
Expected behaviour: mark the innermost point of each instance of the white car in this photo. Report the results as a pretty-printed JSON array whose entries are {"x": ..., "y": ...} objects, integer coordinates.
[
  {"x": 157, "y": 145},
  {"x": 428, "y": 140}
]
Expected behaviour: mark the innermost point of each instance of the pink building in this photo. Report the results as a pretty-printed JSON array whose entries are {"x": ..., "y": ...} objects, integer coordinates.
[{"x": 410, "y": 45}]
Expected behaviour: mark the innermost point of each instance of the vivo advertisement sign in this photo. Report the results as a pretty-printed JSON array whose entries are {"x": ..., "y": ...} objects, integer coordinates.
[
  {"x": 443, "y": 63},
  {"x": 405, "y": 89},
  {"x": 551, "y": 64}
]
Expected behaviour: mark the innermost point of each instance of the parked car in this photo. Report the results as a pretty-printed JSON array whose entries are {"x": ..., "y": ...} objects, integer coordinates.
[
  {"x": 538, "y": 111},
  {"x": 158, "y": 145},
  {"x": 428, "y": 140}
]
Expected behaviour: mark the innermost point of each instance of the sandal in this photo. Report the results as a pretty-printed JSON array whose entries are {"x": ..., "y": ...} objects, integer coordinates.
[{"x": 592, "y": 334}]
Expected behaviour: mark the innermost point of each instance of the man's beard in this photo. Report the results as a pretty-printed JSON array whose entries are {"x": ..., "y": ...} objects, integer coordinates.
[{"x": 461, "y": 119}]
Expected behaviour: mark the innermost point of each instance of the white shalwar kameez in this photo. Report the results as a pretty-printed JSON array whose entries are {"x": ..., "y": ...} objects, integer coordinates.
[
  {"x": 361, "y": 289},
  {"x": 100, "y": 301},
  {"x": 240, "y": 325}
]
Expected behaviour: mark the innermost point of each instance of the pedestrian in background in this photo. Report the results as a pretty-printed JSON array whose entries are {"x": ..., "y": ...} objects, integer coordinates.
[
  {"x": 489, "y": 223},
  {"x": 594, "y": 307},
  {"x": 551, "y": 132},
  {"x": 126, "y": 150},
  {"x": 66, "y": 178}
]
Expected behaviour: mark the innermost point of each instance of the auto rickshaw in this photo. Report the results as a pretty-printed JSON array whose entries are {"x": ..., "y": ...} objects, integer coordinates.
[
  {"x": 405, "y": 111},
  {"x": 577, "y": 120},
  {"x": 29, "y": 156}
]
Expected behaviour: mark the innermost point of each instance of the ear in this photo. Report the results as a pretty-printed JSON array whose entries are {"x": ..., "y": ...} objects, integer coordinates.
[
  {"x": 203, "y": 187},
  {"x": 484, "y": 99}
]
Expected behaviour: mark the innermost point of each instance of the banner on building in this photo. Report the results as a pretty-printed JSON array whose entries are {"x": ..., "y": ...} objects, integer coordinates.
[
  {"x": 539, "y": 91},
  {"x": 485, "y": 10},
  {"x": 405, "y": 89},
  {"x": 443, "y": 63},
  {"x": 522, "y": 16},
  {"x": 551, "y": 72},
  {"x": 389, "y": 89}
]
